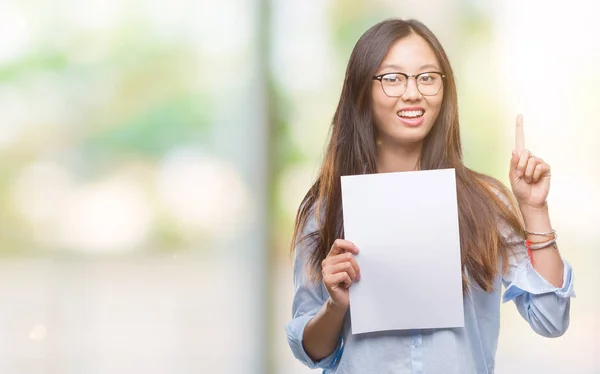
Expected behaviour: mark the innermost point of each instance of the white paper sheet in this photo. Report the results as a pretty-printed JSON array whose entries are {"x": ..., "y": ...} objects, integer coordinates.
[{"x": 406, "y": 228}]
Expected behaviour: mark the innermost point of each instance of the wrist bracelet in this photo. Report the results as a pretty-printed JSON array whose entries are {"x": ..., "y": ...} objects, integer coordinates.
[
  {"x": 540, "y": 233},
  {"x": 531, "y": 246},
  {"x": 539, "y": 245}
]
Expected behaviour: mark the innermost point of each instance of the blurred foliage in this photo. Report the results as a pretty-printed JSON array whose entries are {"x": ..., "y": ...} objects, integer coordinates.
[
  {"x": 35, "y": 61},
  {"x": 350, "y": 19},
  {"x": 128, "y": 96},
  {"x": 153, "y": 131}
]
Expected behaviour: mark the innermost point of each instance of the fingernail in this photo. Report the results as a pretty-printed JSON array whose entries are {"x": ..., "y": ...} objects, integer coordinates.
[
  {"x": 519, "y": 173},
  {"x": 514, "y": 153},
  {"x": 358, "y": 276}
]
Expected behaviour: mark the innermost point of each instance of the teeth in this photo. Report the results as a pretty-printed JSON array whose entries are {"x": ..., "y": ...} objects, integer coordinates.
[{"x": 411, "y": 113}]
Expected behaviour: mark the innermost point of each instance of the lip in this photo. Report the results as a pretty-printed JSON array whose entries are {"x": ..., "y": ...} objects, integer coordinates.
[{"x": 412, "y": 122}]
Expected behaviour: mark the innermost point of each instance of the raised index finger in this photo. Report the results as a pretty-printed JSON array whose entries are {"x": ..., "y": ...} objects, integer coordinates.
[{"x": 519, "y": 135}]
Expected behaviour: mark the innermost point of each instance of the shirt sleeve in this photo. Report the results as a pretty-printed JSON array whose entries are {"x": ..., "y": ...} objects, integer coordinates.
[
  {"x": 308, "y": 299},
  {"x": 544, "y": 306}
]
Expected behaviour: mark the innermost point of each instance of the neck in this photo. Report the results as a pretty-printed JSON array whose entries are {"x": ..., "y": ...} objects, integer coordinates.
[{"x": 396, "y": 158}]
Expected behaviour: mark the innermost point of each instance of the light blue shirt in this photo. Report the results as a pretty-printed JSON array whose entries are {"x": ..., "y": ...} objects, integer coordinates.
[{"x": 467, "y": 350}]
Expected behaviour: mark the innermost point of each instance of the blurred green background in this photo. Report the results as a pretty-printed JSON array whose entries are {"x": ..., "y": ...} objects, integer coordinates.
[{"x": 153, "y": 155}]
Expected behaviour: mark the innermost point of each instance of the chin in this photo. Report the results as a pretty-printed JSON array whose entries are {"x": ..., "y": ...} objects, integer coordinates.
[{"x": 412, "y": 136}]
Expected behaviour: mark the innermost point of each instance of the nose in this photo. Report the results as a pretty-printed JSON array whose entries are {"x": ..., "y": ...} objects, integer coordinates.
[{"x": 412, "y": 92}]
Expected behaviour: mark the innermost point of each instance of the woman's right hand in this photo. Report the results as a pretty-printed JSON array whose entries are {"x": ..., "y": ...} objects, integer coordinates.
[{"x": 339, "y": 271}]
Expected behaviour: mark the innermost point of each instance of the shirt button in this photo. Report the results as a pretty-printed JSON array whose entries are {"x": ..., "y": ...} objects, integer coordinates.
[{"x": 416, "y": 344}]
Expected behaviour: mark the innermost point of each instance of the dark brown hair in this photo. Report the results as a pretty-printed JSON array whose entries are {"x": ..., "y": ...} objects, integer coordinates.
[{"x": 483, "y": 202}]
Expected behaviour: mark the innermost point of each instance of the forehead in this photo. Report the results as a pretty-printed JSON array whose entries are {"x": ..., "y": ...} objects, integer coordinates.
[{"x": 410, "y": 54}]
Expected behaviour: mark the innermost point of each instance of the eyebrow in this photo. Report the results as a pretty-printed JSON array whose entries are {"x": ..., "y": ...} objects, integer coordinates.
[{"x": 394, "y": 66}]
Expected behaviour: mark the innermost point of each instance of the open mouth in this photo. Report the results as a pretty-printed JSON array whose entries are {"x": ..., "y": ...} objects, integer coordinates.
[{"x": 411, "y": 114}]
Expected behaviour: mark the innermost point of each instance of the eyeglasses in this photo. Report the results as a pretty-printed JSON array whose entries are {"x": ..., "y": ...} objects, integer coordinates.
[{"x": 394, "y": 84}]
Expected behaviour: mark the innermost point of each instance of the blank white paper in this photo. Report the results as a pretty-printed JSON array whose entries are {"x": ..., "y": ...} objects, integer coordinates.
[{"x": 406, "y": 228}]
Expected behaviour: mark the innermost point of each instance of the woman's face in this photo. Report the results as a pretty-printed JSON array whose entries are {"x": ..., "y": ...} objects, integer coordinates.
[{"x": 408, "y": 118}]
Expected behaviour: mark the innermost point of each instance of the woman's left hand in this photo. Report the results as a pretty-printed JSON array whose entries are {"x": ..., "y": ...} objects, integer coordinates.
[{"x": 529, "y": 175}]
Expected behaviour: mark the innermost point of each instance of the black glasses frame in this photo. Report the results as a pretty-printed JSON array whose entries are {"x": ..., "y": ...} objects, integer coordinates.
[{"x": 408, "y": 76}]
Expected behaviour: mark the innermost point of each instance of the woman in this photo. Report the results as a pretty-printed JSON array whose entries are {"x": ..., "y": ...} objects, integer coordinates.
[{"x": 398, "y": 112}]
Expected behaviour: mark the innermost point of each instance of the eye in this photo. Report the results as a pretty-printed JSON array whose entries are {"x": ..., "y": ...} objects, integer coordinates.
[
  {"x": 428, "y": 78},
  {"x": 392, "y": 79}
]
